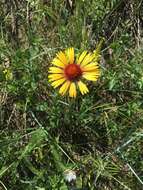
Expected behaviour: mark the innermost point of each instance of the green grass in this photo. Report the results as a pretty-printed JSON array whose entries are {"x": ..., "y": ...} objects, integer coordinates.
[{"x": 100, "y": 135}]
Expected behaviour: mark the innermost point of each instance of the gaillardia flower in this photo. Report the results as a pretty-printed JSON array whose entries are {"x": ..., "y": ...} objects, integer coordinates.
[{"x": 68, "y": 72}]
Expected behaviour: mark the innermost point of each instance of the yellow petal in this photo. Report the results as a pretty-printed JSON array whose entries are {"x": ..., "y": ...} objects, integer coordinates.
[
  {"x": 70, "y": 54},
  {"x": 53, "y": 77},
  {"x": 72, "y": 90},
  {"x": 64, "y": 87},
  {"x": 55, "y": 70},
  {"x": 90, "y": 67},
  {"x": 81, "y": 57},
  {"x": 91, "y": 76},
  {"x": 57, "y": 83},
  {"x": 58, "y": 63},
  {"x": 88, "y": 58},
  {"x": 82, "y": 87},
  {"x": 62, "y": 57}
]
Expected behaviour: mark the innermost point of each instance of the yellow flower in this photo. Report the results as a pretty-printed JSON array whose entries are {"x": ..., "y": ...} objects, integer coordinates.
[{"x": 67, "y": 72}]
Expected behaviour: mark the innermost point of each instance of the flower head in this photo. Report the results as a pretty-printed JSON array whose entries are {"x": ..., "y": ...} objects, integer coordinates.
[
  {"x": 69, "y": 176},
  {"x": 68, "y": 71}
]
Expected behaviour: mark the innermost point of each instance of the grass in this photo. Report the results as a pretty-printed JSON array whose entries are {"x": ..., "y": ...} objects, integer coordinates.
[{"x": 98, "y": 136}]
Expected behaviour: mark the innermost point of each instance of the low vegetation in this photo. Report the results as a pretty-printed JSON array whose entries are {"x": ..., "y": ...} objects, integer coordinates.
[{"x": 96, "y": 138}]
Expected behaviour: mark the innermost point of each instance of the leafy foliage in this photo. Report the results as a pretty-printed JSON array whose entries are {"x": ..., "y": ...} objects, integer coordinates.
[{"x": 42, "y": 135}]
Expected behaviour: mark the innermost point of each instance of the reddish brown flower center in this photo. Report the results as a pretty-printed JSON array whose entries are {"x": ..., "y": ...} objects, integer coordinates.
[{"x": 73, "y": 72}]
